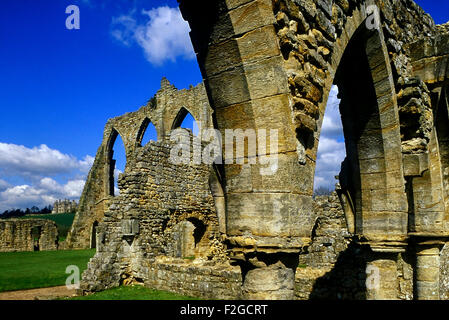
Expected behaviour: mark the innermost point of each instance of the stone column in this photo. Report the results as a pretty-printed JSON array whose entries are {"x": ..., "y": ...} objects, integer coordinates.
[
  {"x": 275, "y": 282},
  {"x": 268, "y": 276},
  {"x": 427, "y": 272},
  {"x": 381, "y": 277}
]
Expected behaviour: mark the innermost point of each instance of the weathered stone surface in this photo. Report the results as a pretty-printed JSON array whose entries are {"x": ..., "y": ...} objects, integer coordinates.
[
  {"x": 165, "y": 112},
  {"x": 28, "y": 235},
  {"x": 394, "y": 112}
]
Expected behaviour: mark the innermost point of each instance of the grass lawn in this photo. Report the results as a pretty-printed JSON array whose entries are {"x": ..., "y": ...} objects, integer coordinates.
[
  {"x": 133, "y": 293},
  {"x": 29, "y": 270},
  {"x": 63, "y": 221}
]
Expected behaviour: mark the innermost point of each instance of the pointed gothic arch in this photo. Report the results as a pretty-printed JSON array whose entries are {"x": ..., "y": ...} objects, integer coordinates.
[
  {"x": 110, "y": 162},
  {"x": 180, "y": 121},
  {"x": 147, "y": 132}
]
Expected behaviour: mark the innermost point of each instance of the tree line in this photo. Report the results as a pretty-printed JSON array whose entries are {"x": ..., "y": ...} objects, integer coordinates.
[{"x": 16, "y": 213}]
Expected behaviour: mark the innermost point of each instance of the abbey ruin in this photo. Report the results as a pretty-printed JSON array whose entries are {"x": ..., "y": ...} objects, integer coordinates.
[
  {"x": 226, "y": 230},
  {"x": 28, "y": 235}
]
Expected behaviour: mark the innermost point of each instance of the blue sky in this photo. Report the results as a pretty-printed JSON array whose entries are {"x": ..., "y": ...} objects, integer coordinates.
[{"x": 58, "y": 87}]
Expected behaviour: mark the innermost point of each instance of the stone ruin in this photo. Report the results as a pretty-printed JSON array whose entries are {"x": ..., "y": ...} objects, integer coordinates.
[
  {"x": 64, "y": 206},
  {"x": 225, "y": 231},
  {"x": 28, "y": 235}
]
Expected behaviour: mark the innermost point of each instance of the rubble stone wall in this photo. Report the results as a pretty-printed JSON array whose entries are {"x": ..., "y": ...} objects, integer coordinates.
[
  {"x": 270, "y": 64},
  {"x": 163, "y": 210},
  {"x": 165, "y": 111},
  {"x": 28, "y": 235}
]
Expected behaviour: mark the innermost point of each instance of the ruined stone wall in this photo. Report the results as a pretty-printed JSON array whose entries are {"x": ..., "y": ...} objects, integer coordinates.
[
  {"x": 430, "y": 61},
  {"x": 28, "y": 235},
  {"x": 163, "y": 210},
  {"x": 91, "y": 207},
  {"x": 165, "y": 111},
  {"x": 270, "y": 65},
  {"x": 334, "y": 266},
  {"x": 207, "y": 282}
]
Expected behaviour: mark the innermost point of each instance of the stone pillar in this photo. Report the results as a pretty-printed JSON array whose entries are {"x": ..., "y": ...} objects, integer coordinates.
[
  {"x": 381, "y": 277},
  {"x": 269, "y": 283},
  {"x": 268, "y": 276},
  {"x": 427, "y": 272}
]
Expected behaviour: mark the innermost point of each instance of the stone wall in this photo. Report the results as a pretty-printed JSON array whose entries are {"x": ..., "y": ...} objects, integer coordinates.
[
  {"x": 28, "y": 235},
  {"x": 197, "y": 280},
  {"x": 335, "y": 266},
  {"x": 164, "y": 209},
  {"x": 269, "y": 65},
  {"x": 165, "y": 110}
]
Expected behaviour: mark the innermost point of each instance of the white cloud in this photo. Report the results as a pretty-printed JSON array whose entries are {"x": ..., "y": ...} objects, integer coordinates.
[
  {"x": 46, "y": 192},
  {"x": 125, "y": 29},
  {"x": 37, "y": 161},
  {"x": 332, "y": 126},
  {"x": 164, "y": 36},
  {"x": 36, "y": 168},
  {"x": 86, "y": 164},
  {"x": 23, "y": 196}
]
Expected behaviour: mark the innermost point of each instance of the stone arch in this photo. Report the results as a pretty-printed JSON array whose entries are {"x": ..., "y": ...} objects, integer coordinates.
[
  {"x": 144, "y": 127},
  {"x": 269, "y": 84},
  {"x": 373, "y": 173},
  {"x": 180, "y": 116},
  {"x": 110, "y": 162},
  {"x": 271, "y": 64}
]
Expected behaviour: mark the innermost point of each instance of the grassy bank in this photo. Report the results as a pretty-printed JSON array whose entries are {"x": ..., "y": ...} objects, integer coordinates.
[{"x": 29, "y": 270}]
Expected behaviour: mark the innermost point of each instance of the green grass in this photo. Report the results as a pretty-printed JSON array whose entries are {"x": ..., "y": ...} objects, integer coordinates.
[
  {"x": 63, "y": 221},
  {"x": 28, "y": 270},
  {"x": 133, "y": 293}
]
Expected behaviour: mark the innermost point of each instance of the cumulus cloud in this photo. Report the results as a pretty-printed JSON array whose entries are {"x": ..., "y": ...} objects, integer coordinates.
[
  {"x": 163, "y": 36},
  {"x": 38, "y": 167},
  {"x": 46, "y": 192},
  {"x": 37, "y": 161},
  {"x": 331, "y": 148},
  {"x": 332, "y": 126}
]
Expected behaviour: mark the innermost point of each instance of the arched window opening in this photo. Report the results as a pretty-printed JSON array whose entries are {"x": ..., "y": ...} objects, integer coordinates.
[
  {"x": 331, "y": 148},
  {"x": 148, "y": 132},
  {"x": 116, "y": 161},
  {"x": 185, "y": 120}
]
